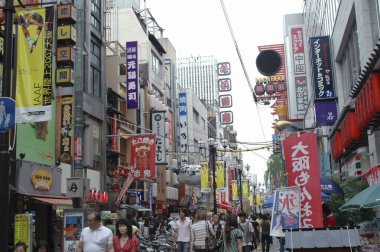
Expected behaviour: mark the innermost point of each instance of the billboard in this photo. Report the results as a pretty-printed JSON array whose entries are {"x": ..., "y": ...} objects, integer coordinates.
[
  {"x": 34, "y": 64},
  {"x": 142, "y": 157}
]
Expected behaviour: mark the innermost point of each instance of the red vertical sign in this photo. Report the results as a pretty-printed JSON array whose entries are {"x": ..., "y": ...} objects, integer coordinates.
[
  {"x": 301, "y": 160},
  {"x": 143, "y": 154}
]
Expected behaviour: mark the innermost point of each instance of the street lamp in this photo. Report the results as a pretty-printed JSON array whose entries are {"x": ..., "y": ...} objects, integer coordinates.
[
  {"x": 212, "y": 151},
  {"x": 240, "y": 169}
]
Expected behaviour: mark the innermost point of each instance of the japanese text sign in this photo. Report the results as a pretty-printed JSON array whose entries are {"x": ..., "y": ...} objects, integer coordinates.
[
  {"x": 224, "y": 68},
  {"x": 183, "y": 128},
  {"x": 298, "y": 50},
  {"x": 286, "y": 211},
  {"x": 158, "y": 127},
  {"x": 326, "y": 112},
  {"x": 224, "y": 85},
  {"x": 142, "y": 158},
  {"x": 225, "y": 101},
  {"x": 301, "y": 93},
  {"x": 373, "y": 176},
  {"x": 205, "y": 183},
  {"x": 132, "y": 75},
  {"x": 226, "y": 117},
  {"x": 302, "y": 167},
  {"x": 65, "y": 140},
  {"x": 322, "y": 69}
]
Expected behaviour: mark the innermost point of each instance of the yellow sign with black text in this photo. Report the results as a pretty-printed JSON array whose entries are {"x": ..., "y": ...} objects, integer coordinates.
[
  {"x": 205, "y": 184},
  {"x": 220, "y": 175},
  {"x": 235, "y": 195},
  {"x": 34, "y": 64}
]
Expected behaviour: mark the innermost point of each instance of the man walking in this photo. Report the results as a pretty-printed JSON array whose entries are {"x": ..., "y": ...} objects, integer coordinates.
[
  {"x": 248, "y": 232},
  {"x": 183, "y": 232},
  {"x": 95, "y": 237}
]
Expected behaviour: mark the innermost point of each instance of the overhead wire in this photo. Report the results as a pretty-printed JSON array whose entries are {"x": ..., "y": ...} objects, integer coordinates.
[{"x": 242, "y": 64}]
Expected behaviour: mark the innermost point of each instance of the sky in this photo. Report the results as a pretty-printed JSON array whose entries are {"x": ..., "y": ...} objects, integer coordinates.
[{"x": 199, "y": 28}]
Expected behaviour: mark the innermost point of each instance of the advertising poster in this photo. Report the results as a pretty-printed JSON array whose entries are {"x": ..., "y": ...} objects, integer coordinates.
[
  {"x": 286, "y": 211},
  {"x": 220, "y": 175},
  {"x": 34, "y": 64},
  {"x": 72, "y": 227},
  {"x": 302, "y": 166},
  {"x": 326, "y": 113},
  {"x": 142, "y": 158},
  {"x": 205, "y": 184},
  {"x": 245, "y": 189},
  {"x": 23, "y": 230},
  {"x": 235, "y": 195},
  {"x": 65, "y": 148}
]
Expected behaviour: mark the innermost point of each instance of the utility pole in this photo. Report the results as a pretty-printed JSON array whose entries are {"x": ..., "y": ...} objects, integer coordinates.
[{"x": 4, "y": 137}]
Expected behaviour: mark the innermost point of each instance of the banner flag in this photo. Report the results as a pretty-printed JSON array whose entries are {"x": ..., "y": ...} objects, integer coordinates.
[
  {"x": 205, "y": 184},
  {"x": 34, "y": 64},
  {"x": 245, "y": 189},
  {"x": 143, "y": 155},
  {"x": 220, "y": 175},
  {"x": 286, "y": 211},
  {"x": 251, "y": 199},
  {"x": 235, "y": 195},
  {"x": 302, "y": 167},
  {"x": 65, "y": 133}
]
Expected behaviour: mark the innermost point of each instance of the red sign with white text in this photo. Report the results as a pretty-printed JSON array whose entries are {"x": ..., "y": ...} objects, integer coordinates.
[
  {"x": 143, "y": 154},
  {"x": 302, "y": 167},
  {"x": 373, "y": 176}
]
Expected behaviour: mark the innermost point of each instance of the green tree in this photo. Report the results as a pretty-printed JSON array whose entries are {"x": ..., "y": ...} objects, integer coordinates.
[
  {"x": 274, "y": 172},
  {"x": 350, "y": 187}
]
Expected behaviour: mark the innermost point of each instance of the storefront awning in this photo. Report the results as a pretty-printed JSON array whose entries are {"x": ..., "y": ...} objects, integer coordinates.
[
  {"x": 135, "y": 207},
  {"x": 55, "y": 200}
]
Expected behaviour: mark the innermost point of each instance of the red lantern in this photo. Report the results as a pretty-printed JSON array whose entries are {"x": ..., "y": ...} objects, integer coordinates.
[
  {"x": 105, "y": 200},
  {"x": 375, "y": 91},
  {"x": 98, "y": 196},
  {"x": 336, "y": 145}
]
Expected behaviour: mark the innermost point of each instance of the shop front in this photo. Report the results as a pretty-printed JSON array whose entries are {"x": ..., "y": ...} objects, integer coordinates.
[{"x": 39, "y": 196}]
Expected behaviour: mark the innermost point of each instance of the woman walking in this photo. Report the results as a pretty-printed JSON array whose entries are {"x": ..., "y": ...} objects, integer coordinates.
[
  {"x": 232, "y": 237},
  {"x": 200, "y": 230},
  {"x": 124, "y": 241},
  {"x": 218, "y": 230},
  {"x": 265, "y": 237}
]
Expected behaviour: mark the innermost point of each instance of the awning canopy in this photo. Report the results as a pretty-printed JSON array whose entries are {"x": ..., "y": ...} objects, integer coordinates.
[
  {"x": 55, "y": 200},
  {"x": 137, "y": 208},
  {"x": 225, "y": 206}
]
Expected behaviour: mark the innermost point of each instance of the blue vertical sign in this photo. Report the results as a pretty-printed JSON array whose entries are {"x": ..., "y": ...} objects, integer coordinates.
[
  {"x": 183, "y": 129},
  {"x": 132, "y": 75},
  {"x": 7, "y": 113},
  {"x": 326, "y": 113},
  {"x": 322, "y": 69}
]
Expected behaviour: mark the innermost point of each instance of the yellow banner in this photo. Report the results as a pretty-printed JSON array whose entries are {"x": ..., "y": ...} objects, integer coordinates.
[
  {"x": 251, "y": 201},
  {"x": 258, "y": 199},
  {"x": 235, "y": 195},
  {"x": 220, "y": 175},
  {"x": 245, "y": 189},
  {"x": 22, "y": 228},
  {"x": 205, "y": 184},
  {"x": 34, "y": 64}
]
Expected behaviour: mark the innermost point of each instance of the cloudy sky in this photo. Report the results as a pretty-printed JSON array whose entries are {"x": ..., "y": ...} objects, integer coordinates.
[{"x": 199, "y": 28}]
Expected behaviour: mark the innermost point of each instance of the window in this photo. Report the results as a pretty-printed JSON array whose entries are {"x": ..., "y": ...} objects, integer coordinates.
[
  {"x": 156, "y": 64},
  {"x": 95, "y": 14},
  {"x": 95, "y": 66}
]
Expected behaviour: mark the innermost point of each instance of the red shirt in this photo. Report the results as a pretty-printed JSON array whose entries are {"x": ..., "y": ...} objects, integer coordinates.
[
  {"x": 131, "y": 245},
  {"x": 329, "y": 221}
]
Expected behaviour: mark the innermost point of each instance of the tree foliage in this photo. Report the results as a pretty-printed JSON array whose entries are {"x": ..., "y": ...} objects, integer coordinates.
[
  {"x": 350, "y": 187},
  {"x": 274, "y": 172}
]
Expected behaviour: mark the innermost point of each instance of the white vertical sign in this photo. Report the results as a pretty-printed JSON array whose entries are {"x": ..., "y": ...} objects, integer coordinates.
[
  {"x": 183, "y": 130},
  {"x": 158, "y": 127}
]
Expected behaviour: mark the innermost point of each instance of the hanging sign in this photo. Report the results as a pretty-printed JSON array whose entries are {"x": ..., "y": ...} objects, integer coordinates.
[
  {"x": 132, "y": 75},
  {"x": 183, "y": 128},
  {"x": 205, "y": 183},
  {"x": 224, "y": 85},
  {"x": 142, "y": 158},
  {"x": 158, "y": 127}
]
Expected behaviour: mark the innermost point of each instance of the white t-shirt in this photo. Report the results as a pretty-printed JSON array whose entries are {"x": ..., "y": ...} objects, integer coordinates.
[
  {"x": 246, "y": 227},
  {"x": 200, "y": 232},
  {"x": 96, "y": 240},
  {"x": 183, "y": 230}
]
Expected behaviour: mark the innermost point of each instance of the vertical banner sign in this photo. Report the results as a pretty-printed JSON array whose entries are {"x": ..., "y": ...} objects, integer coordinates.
[
  {"x": 132, "y": 75},
  {"x": 245, "y": 189},
  {"x": 326, "y": 113},
  {"x": 73, "y": 224},
  {"x": 143, "y": 153},
  {"x": 65, "y": 141},
  {"x": 34, "y": 64},
  {"x": 183, "y": 128},
  {"x": 161, "y": 183},
  {"x": 205, "y": 184},
  {"x": 23, "y": 230},
  {"x": 286, "y": 211},
  {"x": 251, "y": 199},
  {"x": 158, "y": 127},
  {"x": 298, "y": 51},
  {"x": 235, "y": 195},
  {"x": 302, "y": 167},
  {"x": 322, "y": 70},
  {"x": 220, "y": 175}
]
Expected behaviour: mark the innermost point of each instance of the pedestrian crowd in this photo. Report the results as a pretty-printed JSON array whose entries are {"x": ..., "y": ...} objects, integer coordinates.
[{"x": 190, "y": 233}]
